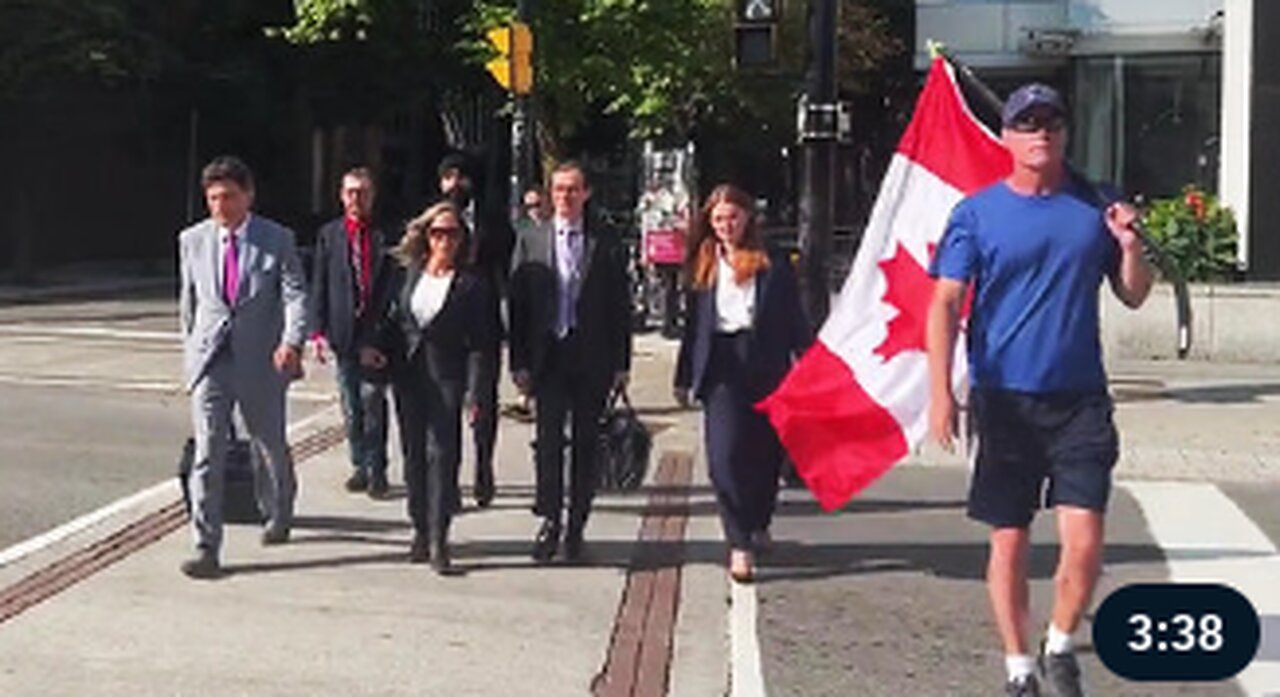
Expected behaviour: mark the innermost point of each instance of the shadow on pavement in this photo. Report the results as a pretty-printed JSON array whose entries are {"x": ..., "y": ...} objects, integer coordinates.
[
  {"x": 1146, "y": 390},
  {"x": 967, "y": 561}
]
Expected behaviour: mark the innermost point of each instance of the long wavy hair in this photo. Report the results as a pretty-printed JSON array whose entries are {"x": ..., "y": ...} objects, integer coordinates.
[
  {"x": 703, "y": 250},
  {"x": 413, "y": 246}
]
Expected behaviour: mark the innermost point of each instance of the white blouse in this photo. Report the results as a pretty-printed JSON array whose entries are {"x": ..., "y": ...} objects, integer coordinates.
[
  {"x": 428, "y": 296},
  {"x": 735, "y": 304}
]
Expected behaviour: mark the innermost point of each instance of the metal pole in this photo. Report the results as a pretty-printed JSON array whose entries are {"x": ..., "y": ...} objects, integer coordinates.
[
  {"x": 818, "y": 134},
  {"x": 522, "y": 155}
]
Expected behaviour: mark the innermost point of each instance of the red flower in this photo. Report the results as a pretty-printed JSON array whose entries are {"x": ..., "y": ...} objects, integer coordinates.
[{"x": 1195, "y": 201}]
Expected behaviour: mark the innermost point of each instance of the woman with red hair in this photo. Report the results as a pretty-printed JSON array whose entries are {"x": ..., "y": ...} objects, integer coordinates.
[{"x": 745, "y": 326}]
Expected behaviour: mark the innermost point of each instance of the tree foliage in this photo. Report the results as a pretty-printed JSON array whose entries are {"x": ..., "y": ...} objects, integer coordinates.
[{"x": 45, "y": 43}]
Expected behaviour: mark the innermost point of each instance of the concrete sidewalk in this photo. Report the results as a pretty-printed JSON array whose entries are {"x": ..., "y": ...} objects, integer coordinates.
[
  {"x": 340, "y": 611},
  {"x": 1185, "y": 420}
]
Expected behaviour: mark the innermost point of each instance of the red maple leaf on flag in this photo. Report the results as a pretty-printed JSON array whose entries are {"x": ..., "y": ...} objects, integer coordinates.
[{"x": 909, "y": 289}]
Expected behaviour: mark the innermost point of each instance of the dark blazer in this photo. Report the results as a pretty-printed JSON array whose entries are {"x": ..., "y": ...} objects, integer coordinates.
[
  {"x": 332, "y": 310},
  {"x": 603, "y": 320},
  {"x": 462, "y": 336},
  {"x": 490, "y": 243},
  {"x": 779, "y": 335}
]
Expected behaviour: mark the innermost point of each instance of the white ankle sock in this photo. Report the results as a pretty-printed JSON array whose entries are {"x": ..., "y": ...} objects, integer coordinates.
[
  {"x": 1019, "y": 665},
  {"x": 1057, "y": 641}
]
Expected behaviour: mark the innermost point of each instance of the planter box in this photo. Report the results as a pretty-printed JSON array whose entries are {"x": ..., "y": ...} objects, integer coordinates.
[{"x": 1235, "y": 323}]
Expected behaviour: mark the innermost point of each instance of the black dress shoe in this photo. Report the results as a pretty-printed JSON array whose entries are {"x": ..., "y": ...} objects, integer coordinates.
[
  {"x": 202, "y": 566},
  {"x": 484, "y": 492},
  {"x": 441, "y": 562},
  {"x": 378, "y": 486},
  {"x": 275, "y": 535},
  {"x": 573, "y": 545},
  {"x": 419, "y": 550},
  {"x": 358, "y": 481},
  {"x": 548, "y": 539}
]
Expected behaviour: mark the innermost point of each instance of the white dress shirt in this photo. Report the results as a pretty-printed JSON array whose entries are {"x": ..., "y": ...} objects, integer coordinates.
[
  {"x": 428, "y": 296},
  {"x": 735, "y": 304}
]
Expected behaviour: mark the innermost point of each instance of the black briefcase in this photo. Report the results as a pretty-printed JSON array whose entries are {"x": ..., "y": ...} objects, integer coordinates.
[
  {"x": 239, "y": 492},
  {"x": 625, "y": 445}
]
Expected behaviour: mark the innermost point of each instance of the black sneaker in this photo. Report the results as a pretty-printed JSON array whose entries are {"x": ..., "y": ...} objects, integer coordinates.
[
  {"x": 1061, "y": 674},
  {"x": 1026, "y": 687}
]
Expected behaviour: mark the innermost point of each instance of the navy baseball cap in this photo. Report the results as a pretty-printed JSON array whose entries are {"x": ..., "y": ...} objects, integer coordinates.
[{"x": 1028, "y": 96}]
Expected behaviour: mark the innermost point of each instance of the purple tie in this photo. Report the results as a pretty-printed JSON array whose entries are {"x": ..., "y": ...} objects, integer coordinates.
[{"x": 230, "y": 271}]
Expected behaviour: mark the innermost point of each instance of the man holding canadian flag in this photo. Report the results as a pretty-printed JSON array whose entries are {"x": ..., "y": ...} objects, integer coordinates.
[{"x": 1022, "y": 245}]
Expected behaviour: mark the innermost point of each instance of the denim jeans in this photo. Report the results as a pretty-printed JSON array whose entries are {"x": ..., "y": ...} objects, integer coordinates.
[{"x": 364, "y": 410}]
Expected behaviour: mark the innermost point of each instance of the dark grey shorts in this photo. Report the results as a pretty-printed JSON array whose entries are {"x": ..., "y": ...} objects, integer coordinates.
[{"x": 1040, "y": 450}]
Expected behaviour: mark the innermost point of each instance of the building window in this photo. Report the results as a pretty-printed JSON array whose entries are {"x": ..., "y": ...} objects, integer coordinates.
[{"x": 1149, "y": 123}]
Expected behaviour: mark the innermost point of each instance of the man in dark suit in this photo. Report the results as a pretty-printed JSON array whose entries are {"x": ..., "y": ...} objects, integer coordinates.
[
  {"x": 488, "y": 253},
  {"x": 349, "y": 256},
  {"x": 570, "y": 345}
]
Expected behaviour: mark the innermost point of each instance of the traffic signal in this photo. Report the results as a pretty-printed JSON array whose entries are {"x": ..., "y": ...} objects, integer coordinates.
[
  {"x": 755, "y": 33},
  {"x": 513, "y": 66},
  {"x": 759, "y": 10}
]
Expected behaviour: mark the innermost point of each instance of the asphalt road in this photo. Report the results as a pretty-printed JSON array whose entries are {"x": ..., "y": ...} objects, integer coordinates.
[
  {"x": 887, "y": 597},
  {"x": 91, "y": 408}
]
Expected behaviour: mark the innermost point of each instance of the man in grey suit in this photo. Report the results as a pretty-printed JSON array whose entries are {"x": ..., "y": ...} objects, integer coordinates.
[
  {"x": 570, "y": 344},
  {"x": 243, "y": 316}
]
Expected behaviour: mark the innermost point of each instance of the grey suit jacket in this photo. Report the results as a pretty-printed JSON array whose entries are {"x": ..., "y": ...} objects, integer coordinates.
[{"x": 270, "y": 309}]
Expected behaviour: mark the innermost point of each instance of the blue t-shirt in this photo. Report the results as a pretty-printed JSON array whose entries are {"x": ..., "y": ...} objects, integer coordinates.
[{"x": 1036, "y": 263}]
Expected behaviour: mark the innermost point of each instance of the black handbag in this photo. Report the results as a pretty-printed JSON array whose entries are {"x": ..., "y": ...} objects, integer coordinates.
[{"x": 624, "y": 447}]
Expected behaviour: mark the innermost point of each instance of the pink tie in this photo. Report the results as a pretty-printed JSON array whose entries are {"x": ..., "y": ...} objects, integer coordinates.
[{"x": 230, "y": 272}]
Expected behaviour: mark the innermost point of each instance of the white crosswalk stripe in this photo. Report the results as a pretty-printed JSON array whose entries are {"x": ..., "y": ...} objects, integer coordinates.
[{"x": 1186, "y": 519}]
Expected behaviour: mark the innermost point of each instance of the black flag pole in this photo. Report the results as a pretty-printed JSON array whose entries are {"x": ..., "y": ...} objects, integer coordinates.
[{"x": 1153, "y": 251}]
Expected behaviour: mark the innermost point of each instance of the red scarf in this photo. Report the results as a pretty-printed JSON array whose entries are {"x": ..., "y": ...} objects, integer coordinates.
[{"x": 358, "y": 233}]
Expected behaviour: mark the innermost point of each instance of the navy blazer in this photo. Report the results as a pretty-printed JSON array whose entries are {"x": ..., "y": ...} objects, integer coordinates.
[
  {"x": 333, "y": 288},
  {"x": 780, "y": 332}
]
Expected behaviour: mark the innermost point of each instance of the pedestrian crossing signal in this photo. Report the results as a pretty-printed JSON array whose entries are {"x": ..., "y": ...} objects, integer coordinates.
[
  {"x": 513, "y": 66},
  {"x": 755, "y": 33}
]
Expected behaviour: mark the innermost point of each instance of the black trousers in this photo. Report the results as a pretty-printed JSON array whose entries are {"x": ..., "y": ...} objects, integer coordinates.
[
  {"x": 567, "y": 392},
  {"x": 743, "y": 452},
  {"x": 485, "y": 429},
  {"x": 430, "y": 416}
]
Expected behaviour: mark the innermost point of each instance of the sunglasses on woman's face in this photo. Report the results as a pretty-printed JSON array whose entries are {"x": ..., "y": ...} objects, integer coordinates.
[{"x": 443, "y": 230}]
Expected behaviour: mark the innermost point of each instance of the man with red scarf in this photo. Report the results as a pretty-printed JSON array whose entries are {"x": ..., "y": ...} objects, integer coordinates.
[{"x": 349, "y": 255}]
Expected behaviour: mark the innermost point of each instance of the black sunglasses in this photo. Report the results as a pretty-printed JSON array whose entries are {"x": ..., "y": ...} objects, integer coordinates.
[{"x": 1032, "y": 124}]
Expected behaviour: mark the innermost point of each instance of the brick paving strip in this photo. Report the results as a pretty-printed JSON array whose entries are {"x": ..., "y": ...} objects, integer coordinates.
[
  {"x": 639, "y": 660},
  {"x": 83, "y": 563}
]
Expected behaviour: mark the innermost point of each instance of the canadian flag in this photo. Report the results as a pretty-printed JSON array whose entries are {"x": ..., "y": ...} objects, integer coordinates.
[{"x": 857, "y": 402}]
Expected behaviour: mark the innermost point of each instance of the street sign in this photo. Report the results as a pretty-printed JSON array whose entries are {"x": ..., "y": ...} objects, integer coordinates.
[{"x": 513, "y": 66}]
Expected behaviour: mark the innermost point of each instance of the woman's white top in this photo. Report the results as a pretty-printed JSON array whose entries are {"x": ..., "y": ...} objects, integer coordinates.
[
  {"x": 735, "y": 304},
  {"x": 428, "y": 296}
]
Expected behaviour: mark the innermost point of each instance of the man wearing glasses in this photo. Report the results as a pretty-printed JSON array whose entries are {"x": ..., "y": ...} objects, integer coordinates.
[
  {"x": 1035, "y": 248},
  {"x": 349, "y": 255}
]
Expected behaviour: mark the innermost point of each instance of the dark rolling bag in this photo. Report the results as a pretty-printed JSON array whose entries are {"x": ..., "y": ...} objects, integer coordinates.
[
  {"x": 239, "y": 494},
  {"x": 624, "y": 445}
]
